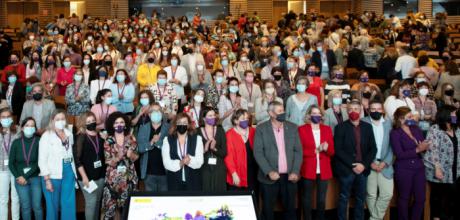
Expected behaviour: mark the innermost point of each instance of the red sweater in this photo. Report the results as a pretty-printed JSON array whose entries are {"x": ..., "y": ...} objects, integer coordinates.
[
  {"x": 20, "y": 70},
  {"x": 236, "y": 160},
  {"x": 308, "y": 169}
]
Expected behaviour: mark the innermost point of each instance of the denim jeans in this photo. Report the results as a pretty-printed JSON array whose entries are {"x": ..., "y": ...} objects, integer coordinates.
[
  {"x": 63, "y": 196},
  {"x": 321, "y": 190},
  {"x": 7, "y": 182},
  {"x": 156, "y": 183},
  {"x": 93, "y": 200},
  {"x": 30, "y": 196},
  {"x": 357, "y": 183}
]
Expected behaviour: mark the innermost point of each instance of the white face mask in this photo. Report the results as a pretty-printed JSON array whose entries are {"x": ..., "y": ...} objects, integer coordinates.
[
  {"x": 423, "y": 91},
  {"x": 198, "y": 98},
  {"x": 270, "y": 90},
  {"x": 60, "y": 124}
]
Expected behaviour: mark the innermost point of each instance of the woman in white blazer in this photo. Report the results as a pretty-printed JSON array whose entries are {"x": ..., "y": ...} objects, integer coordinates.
[{"x": 57, "y": 168}]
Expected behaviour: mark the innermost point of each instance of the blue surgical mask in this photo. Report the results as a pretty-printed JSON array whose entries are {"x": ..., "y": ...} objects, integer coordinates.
[
  {"x": 6, "y": 122},
  {"x": 77, "y": 78},
  {"x": 156, "y": 116},
  {"x": 144, "y": 101},
  {"x": 67, "y": 64},
  {"x": 296, "y": 53},
  {"x": 108, "y": 100},
  {"x": 290, "y": 65},
  {"x": 162, "y": 82},
  {"x": 301, "y": 87},
  {"x": 12, "y": 79},
  {"x": 219, "y": 80},
  {"x": 121, "y": 78},
  {"x": 336, "y": 101},
  {"x": 29, "y": 131},
  {"x": 319, "y": 49},
  {"x": 233, "y": 89},
  {"x": 224, "y": 62},
  {"x": 174, "y": 62}
]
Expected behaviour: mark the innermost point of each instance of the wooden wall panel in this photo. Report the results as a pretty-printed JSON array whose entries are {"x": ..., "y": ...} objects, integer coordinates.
[
  {"x": 3, "y": 14},
  {"x": 263, "y": 7},
  {"x": 330, "y": 8},
  {"x": 279, "y": 8},
  {"x": 237, "y": 7},
  {"x": 313, "y": 5},
  {"x": 120, "y": 8},
  {"x": 98, "y": 8},
  {"x": 371, "y": 5},
  {"x": 425, "y": 7}
]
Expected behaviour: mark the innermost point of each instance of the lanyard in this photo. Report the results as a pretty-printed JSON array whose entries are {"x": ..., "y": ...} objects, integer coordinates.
[
  {"x": 106, "y": 114},
  {"x": 77, "y": 90},
  {"x": 65, "y": 142},
  {"x": 95, "y": 145},
  {"x": 182, "y": 153},
  {"x": 122, "y": 90},
  {"x": 27, "y": 157},
  {"x": 249, "y": 91},
  {"x": 173, "y": 72},
  {"x": 339, "y": 119},
  {"x": 6, "y": 146},
  {"x": 99, "y": 84},
  {"x": 206, "y": 134},
  {"x": 160, "y": 93}
]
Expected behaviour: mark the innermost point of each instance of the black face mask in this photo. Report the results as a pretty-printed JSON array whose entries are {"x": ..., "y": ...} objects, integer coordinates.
[
  {"x": 375, "y": 115},
  {"x": 151, "y": 59},
  {"x": 108, "y": 63},
  {"x": 91, "y": 126},
  {"x": 281, "y": 117},
  {"x": 37, "y": 96},
  {"x": 277, "y": 77},
  {"x": 182, "y": 129},
  {"x": 449, "y": 92},
  {"x": 367, "y": 95}
]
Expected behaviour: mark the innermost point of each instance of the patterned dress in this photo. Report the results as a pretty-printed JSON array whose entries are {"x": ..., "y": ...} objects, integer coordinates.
[
  {"x": 119, "y": 182},
  {"x": 74, "y": 107}
]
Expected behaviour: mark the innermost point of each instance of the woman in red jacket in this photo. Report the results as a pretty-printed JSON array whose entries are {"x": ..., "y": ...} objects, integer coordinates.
[
  {"x": 240, "y": 162},
  {"x": 318, "y": 149}
]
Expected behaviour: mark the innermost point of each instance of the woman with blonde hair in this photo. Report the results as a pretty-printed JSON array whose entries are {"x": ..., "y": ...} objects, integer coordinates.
[
  {"x": 90, "y": 163},
  {"x": 341, "y": 52},
  {"x": 337, "y": 112},
  {"x": 261, "y": 104}
]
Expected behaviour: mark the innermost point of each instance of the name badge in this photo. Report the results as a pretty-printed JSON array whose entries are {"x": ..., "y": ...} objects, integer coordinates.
[
  {"x": 250, "y": 105},
  {"x": 68, "y": 160},
  {"x": 162, "y": 104},
  {"x": 212, "y": 161},
  {"x": 121, "y": 169},
  {"x": 5, "y": 162},
  {"x": 97, "y": 164},
  {"x": 26, "y": 170}
]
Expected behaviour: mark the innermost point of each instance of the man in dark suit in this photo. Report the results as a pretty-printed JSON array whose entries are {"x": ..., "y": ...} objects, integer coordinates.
[
  {"x": 355, "y": 57},
  {"x": 278, "y": 152},
  {"x": 324, "y": 58},
  {"x": 355, "y": 150}
]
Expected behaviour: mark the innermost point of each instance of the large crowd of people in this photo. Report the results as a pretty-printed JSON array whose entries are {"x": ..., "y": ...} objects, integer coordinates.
[{"x": 237, "y": 105}]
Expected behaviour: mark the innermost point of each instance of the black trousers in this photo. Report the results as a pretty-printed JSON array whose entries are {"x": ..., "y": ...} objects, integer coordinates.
[
  {"x": 442, "y": 200},
  {"x": 287, "y": 190},
  {"x": 321, "y": 190}
]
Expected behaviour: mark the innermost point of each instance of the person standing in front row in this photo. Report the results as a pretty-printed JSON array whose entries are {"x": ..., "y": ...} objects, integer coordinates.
[
  {"x": 380, "y": 180},
  {"x": 354, "y": 152},
  {"x": 408, "y": 144},
  {"x": 57, "y": 167},
  {"x": 278, "y": 152}
]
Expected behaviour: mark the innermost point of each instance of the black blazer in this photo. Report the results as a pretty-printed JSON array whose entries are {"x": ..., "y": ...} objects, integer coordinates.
[
  {"x": 18, "y": 97},
  {"x": 345, "y": 147},
  {"x": 331, "y": 61},
  {"x": 355, "y": 59}
]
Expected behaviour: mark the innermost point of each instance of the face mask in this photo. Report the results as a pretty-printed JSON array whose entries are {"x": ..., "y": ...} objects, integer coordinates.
[
  {"x": 449, "y": 92},
  {"x": 278, "y": 53},
  {"x": 364, "y": 79},
  {"x": 410, "y": 122},
  {"x": 219, "y": 79},
  {"x": 281, "y": 117},
  {"x": 406, "y": 92},
  {"x": 37, "y": 96},
  {"x": 138, "y": 51},
  {"x": 339, "y": 76},
  {"x": 270, "y": 90},
  {"x": 144, "y": 101},
  {"x": 29, "y": 131},
  {"x": 121, "y": 78},
  {"x": 108, "y": 100},
  {"x": 151, "y": 59},
  {"x": 453, "y": 120},
  {"x": 31, "y": 37},
  {"x": 51, "y": 62},
  {"x": 86, "y": 62},
  {"x": 120, "y": 129},
  {"x": 102, "y": 74},
  {"x": 353, "y": 115},
  {"x": 198, "y": 98},
  {"x": 224, "y": 62},
  {"x": 161, "y": 82},
  {"x": 367, "y": 95},
  {"x": 336, "y": 101},
  {"x": 277, "y": 77},
  {"x": 301, "y": 87},
  {"x": 423, "y": 91},
  {"x": 108, "y": 63},
  {"x": 141, "y": 36},
  {"x": 157, "y": 45},
  {"x": 156, "y": 116},
  {"x": 174, "y": 62},
  {"x": 296, "y": 53},
  {"x": 106, "y": 48},
  {"x": 233, "y": 89},
  {"x": 375, "y": 115},
  {"x": 244, "y": 124},
  {"x": 123, "y": 41},
  {"x": 315, "y": 119},
  {"x": 91, "y": 126},
  {"x": 302, "y": 45},
  {"x": 200, "y": 67},
  {"x": 67, "y": 64},
  {"x": 12, "y": 79},
  {"x": 419, "y": 80},
  {"x": 290, "y": 65},
  {"x": 244, "y": 59},
  {"x": 60, "y": 41},
  {"x": 319, "y": 49},
  {"x": 181, "y": 129},
  {"x": 311, "y": 73},
  {"x": 6, "y": 122},
  {"x": 77, "y": 78},
  {"x": 100, "y": 49},
  {"x": 164, "y": 52},
  {"x": 60, "y": 124}
]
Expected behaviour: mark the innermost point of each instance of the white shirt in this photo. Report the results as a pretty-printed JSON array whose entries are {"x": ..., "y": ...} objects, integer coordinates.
[
  {"x": 405, "y": 64},
  {"x": 51, "y": 154},
  {"x": 181, "y": 75},
  {"x": 174, "y": 165},
  {"x": 378, "y": 134},
  {"x": 225, "y": 105},
  {"x": 97, "y": 86},
  {"x": 317, "y": 137},
  {"x": 392, "y": 103}
]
